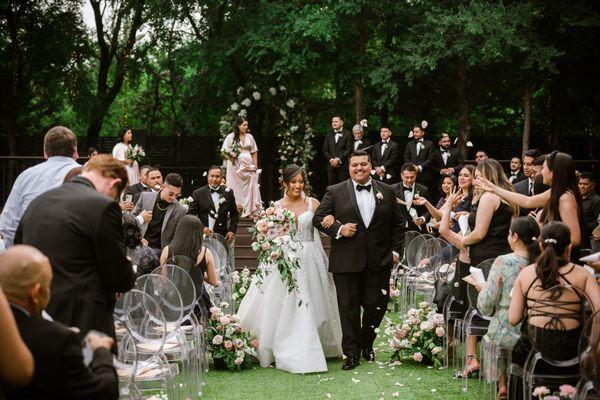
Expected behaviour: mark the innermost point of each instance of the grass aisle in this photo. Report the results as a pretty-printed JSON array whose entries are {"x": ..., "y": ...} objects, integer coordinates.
[{"x": 375, "y": 380}]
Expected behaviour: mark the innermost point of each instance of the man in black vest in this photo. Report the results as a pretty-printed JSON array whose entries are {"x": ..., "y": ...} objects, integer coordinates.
[
  {"x": 420, "y": 152},
  {"x": 384, "y": 157},
  {"x": 336, "y": 149},
  {"x": 215, "y": 205}
]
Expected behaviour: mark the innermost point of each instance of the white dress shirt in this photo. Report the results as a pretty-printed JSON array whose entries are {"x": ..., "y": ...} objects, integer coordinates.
[
  {"x": 384, "y": 145},
  {"x": 30, "y": 184},
  {"x": 357, "y": 143},
  {"x": 338, "y": 135},
  {"x": 366, "y": 202},
  {"x": 420, "y": 145},
  {"x": 215, "y": 199},
  {"x": 445, "y": 155}
]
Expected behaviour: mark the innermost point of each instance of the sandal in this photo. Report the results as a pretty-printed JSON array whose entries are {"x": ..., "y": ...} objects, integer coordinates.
[{"x": 470, "y": 372}]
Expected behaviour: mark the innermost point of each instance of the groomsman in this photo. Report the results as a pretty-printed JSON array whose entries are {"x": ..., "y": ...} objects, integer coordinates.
[
  {"x": 525, "y": 186},
  {"x": 515, "y": 174},
  {"x": 142, "y": 186},
  {"x": 446, "y": 161},
  {"x": 336, "y": 149},
  {"x": 360, "y": 141},
  {"x": 384, "y": 157},
  {"x": 215, "y": 205},
  {"x": 406, "y": 190},
  {"x": 420, "y": 152}
]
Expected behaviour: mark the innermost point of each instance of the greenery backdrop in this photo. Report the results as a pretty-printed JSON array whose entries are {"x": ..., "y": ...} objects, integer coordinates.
[{"x": 172, "y": 67}]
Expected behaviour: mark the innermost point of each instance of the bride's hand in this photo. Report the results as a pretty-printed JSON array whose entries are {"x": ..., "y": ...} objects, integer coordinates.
[{"x": 328, "y": 221}]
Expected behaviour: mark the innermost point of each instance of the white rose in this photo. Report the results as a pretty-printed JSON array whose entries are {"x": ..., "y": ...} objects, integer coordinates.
[
  {"x": 273, "y": 91},
  {"x": 240, "y": 90},
  {"x": 246, "y": 102},
  {"x": 256, "y": 95},
  {"x": 234, "y": 107},
  {"x": 283, "y": 113},
  {"x": 282, "y": 88},
  {"x": 290, "y": 103},
  {"x": 243, "y": 290},
  {"x": 190, "y": 199}
]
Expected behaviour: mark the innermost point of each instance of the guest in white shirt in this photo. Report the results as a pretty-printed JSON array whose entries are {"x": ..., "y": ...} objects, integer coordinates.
[
  {"x": 360, "y": 142},
  {"x": 60, "y": 151}
]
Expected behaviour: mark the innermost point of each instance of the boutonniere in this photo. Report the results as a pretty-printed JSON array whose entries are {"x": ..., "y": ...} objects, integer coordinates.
[
  {"x": 214, "y": 214},
  {"x": 378, "y": 196},
  {"x": 227, "y": 189},
  {"x": 221, "y": 200}
]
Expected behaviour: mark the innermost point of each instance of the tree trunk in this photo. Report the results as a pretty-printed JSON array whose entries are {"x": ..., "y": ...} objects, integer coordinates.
[
  {"x": 527, "y": 115},
  {"x": 462, "y": 97},
  {"x": 358, "y": 86}
]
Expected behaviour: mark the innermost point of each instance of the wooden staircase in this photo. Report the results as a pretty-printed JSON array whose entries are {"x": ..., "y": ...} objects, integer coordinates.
[{"x": 244, "y": 255}]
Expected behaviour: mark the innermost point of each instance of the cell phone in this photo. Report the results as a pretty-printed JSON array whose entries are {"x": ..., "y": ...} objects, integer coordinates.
[{"x": 129, "y": 198}]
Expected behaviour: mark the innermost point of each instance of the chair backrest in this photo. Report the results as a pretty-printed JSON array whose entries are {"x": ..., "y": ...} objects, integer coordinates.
[
  {"x": 145, "y": 320},
  {"x": 408, "y": 238},
  {"x": 166, "y": 294},
  {"x": 472, "y": 292},
  {"x": 219, "y": 252},
  {"x": 432, "y": 251},
  {"x": 589, "y": 350},
  {"x": 414, "y": 250},
  {"x": 184, "y": 283}
]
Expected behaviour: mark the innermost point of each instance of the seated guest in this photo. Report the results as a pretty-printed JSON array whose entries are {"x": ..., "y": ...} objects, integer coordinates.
[
  {"x": 60, "y": 372},
  {"x": 143, "y": 258},
  {"x": 60, "y": 150},
  {"x": 154, "y": 179},
  {"x": 360, "y": 142},
  {"x": 78, "y": 227},
  {"x": 142, "y": 186},
  {"x": 566, "y": 310},
  {"x": 406, "y": 192},
  {"x": 187, "y": 242},
  {"x": 16, "y": 361},
  {"x": 215, "y": 205},
  {"x": 480, "y": 155},
  {"x": 525, "y": 186},
  {"x": 449, "y": 182},
  {"x": 158, "y": 212},
  {"x": 591, "y": 206},
  {"x": 494, "y": 295},
  {"x": 515, "y": 174},
  {"x": 385, "y": 156}
]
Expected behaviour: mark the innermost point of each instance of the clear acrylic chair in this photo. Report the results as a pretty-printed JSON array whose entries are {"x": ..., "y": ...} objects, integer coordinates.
[
  {"x": 400, "y": 268},
  {"x": 223, "y": 291},
  {"x": 589, "y": 349},
  {"x": 413, "y": 254},
  {"x": 423, "y": 281},
  {"x": 558, "y": 312},
  {"x": 494, "y": 358}
]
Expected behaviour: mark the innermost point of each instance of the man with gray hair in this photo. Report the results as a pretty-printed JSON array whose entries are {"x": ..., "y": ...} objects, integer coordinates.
[
  {"x": 60, "y": 151},
  {"x": 25, "y": 276}
]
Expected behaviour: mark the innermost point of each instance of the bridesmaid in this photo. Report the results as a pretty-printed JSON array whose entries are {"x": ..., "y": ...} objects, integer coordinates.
[
  {"x": 120, "y": 153},
  {"x": 242, "y": 166}
]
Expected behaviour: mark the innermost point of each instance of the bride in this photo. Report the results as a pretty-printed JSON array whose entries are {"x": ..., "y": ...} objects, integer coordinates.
[{"x": 297, "y": 338}]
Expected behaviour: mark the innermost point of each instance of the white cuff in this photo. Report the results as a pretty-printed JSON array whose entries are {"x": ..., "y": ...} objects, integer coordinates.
[
  {"x": 383, "y": 168},
  {"x": 140, "y": 220},
  {"x": 339, "y": 232}
]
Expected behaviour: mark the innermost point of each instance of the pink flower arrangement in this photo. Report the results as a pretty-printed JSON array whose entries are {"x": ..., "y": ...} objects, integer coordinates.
[
  {"x": 241, "y": 284},
  {"x": 565, "y": 392},
  {"x": 418, "y": 357}
]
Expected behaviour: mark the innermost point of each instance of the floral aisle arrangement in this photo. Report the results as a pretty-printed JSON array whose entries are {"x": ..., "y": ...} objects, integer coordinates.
[
  {"x": 186, "y": 201},
  {"x": 228, "y": 342},
  {"x": 271, "y": 238},
  {"x": 564, "y": 392},
  {"x": 418, "y": 336},
  {"x": 241, "y": 284},
  {"x": 136, "y": 153}
]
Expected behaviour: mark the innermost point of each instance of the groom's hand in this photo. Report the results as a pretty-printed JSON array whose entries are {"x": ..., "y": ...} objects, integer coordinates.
[{"x": 348, "y": 230}]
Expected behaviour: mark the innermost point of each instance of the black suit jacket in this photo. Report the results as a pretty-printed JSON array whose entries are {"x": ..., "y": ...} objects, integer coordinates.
[
  {"x": 522, "y": 187},
  {"x": 389, "y": 159},
  {"x": 421, "y": 210},
  {"x": 59, "y": 369},
  {"x": 371, "y": 247},
  {"x": 341, "y": 149},
  {"x": 424, "y": 159},
  {"x": 365, "y": 144},
  {"x": 80, "y": 231},
  {"x": 520, "y": 176},
  {"x": 455, "y": 161},
  {"x": 202, "y": 206},
  {"x": 136, "y": 190}
]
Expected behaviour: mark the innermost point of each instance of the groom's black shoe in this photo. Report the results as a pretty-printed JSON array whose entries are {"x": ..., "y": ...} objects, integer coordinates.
[
  {"x": 369, "y": 354},
  {"x": 350, "y": 363}
]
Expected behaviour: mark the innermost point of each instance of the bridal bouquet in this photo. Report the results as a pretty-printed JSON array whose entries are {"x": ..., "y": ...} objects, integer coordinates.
[
  {"x": 136, "y": 153},
  {"x": 271, "y": 239},
  {"x": 241, "y": 284},
  {"x": 228, "y": 343},
  {"x": 419, "y": 336},
  {"x": 232, "y": 151}
]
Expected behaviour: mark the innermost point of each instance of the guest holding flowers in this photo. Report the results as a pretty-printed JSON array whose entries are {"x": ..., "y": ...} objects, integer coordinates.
[{"x": 120, "y": 152}]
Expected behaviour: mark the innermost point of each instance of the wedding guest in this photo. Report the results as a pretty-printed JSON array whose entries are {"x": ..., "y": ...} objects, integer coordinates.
[
  {"x": 78, "y": 227},
  {"x": 142, "y": 186},
  {"x": 120, "y": 153},
  {"x": 590, "y": 202},
  {"x": 158, "y": 212},
  {"x": 406, "y": 191},
  {"x": 60, "y": 151},
  {"x": 515, "y": 174},
  {"x": 16, "y": 361},
  {"x": 143, "y": 259},
  {"x": 360, "y": 142},
  {"x": 561, "y": 203},
  {"x": 154, "y": 179},
  {"x": 337, "y": 146},
  {"x": 494, "y": 294},
  {"x": 242, "y": 167},
  {"x": 446, "y": 160},
  {"x": 385, "y": 156},
  {"x": 420, "y": 152},
  {"x": 449, "y": 182},
  {"x": 525, "y": 186},
  {"x": 92, "y": 152},
  {"x": 187, "y": 242},
  {"x": 215, "y": 205},
  {"x": 480, "y": 155},
  {"x": 60, "y": 371}
]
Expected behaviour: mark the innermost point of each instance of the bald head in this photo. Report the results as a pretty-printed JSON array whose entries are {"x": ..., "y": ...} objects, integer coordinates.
[{"x": 25, "y": 276}]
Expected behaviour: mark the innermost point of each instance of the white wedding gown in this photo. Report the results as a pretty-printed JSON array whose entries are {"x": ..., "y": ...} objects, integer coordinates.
[{"x": 297, "y": 338}]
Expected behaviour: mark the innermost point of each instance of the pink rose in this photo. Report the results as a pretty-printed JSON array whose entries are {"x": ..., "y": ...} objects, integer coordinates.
[
  {"x": 274, "y": 256},
  {"x": 567, "y": 391},
  {"x": 224, "y": 319},
  {"x": 239, "y": 343},
  {"x": 266, "y": 246},
  {"x": 219, "y": 328},
  {"x": 540, "y": 391},
  {"x": 270, "y": 211},
  {"x": 214, "y": 310},
  {"x": 254, "y": 343},
  {"x": 239, "y": 360},
  {"x": 440, "y": 331},
  {"x": 228, "y": 344},
  {"x": 234, "y": 318},
  {"x": 418, "y": 357},
  {"x": 217, "y": 340}
]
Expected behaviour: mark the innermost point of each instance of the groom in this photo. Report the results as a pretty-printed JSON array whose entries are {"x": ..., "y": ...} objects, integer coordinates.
[{"x": 367, "y": 236}]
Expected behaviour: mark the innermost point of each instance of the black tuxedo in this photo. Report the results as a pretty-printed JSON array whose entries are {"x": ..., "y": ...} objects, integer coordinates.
[
  {"x": 454, "y": 160},
  {"x": 421, "y": 210},
  {"x": 522, "y": 187},
  {"x": 136, "y": 190},
  {"x": 80, "y": 231},
  {"x": 203, "y": 205},
  {"x": 59, "y": 369},
  {"x": 520, "y": 176},
  {"x": 365, "y": 144},
  {"x": 341, "y": 150},
  {"x": 388, "y": 160},
  {"x": 423, "y": 160},
  {"x": 361, "y": 264}
]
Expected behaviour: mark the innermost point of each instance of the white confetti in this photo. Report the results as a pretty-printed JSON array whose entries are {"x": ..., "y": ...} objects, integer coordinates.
[
  {"x": 355, "y": 380},
  {"x": 399, "y": 384},
  {"x": 433, "y": 390},
  {"x": 384, "y": 291},
  {"x": 328, "y": 395},
  {"x": 396, "y": 394}
]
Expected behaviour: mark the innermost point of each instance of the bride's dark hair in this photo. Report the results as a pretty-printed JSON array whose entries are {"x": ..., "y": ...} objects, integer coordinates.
[{"x": 290, "y": 172}]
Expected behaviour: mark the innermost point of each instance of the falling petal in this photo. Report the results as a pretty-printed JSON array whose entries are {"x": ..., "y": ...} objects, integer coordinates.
[
  {"x": 410, "y": 134},
  {"x": 469, "y": 144},
  {"x": 424, "y": 124},
  {"x": 384, "y": 291},
  {"x": 396, "y": 394},
  {"x": 433, "y": 390},
  {"x": 328, "y": 395}
]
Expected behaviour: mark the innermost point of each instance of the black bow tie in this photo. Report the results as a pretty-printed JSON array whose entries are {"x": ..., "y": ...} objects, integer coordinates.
[
  {"x": 363, "y": 187},
  {"x": 338, "y": 132},
  {"x": 420, "y": 140},
  {"x": 406, "y": 188},
  {"x": 445, "y": 151},
  {"x": 384, "y": 142},
  {"x": 214, "y": 190}
]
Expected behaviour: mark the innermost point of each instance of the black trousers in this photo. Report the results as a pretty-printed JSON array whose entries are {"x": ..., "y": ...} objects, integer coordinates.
[
  {"x": 337, "y": 175},
  {"x": 367, "y": 290}
]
